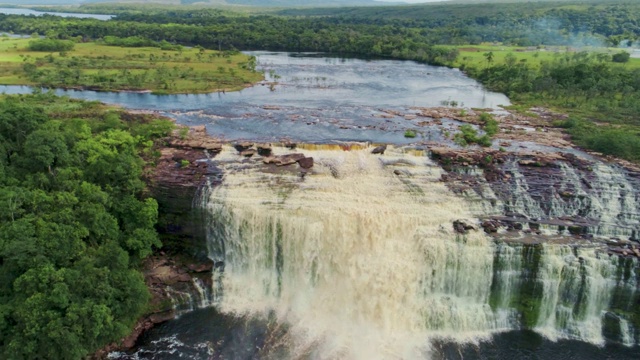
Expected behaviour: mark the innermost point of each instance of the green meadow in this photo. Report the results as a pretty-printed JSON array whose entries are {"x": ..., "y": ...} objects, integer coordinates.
[
  {"x": 113, "y": 68},
  {"x": 477, "y": 55}
]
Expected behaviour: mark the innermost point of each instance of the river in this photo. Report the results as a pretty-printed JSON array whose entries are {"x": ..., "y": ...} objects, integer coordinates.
[
  {"x": 362, "y": 266},
  {"x": 316, "y": 99},
  {"x": 27, "y": 12}
]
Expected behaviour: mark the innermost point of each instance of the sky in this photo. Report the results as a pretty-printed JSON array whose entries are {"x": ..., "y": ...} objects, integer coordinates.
[{"x": 412, "y": 1}]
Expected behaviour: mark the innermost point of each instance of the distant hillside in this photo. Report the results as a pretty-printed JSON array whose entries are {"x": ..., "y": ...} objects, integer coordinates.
[
  {"x": 257, "y": 3},
  {"x": 442, "y": 13},
  {"x": 41, "y": 2},
  {"x": 303, "y": 3}
]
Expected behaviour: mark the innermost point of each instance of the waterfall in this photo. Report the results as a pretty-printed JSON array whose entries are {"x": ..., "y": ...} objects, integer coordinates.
[
  {"x": 577, "y": 287},
  {"x": 358, "y": 260},
  {"x": 190, "y": 296}
]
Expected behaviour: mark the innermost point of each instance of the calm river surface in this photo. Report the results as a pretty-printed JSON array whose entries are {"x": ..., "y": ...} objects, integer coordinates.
[
  {"x": 18, "y": 11},
  {"x": 316, "y": 99}
]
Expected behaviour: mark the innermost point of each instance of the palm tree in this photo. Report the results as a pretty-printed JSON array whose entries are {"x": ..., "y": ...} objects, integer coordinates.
[{"x": 489, "y": 57}]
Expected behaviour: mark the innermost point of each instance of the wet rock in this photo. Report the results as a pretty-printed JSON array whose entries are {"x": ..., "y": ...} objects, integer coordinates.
[
  {"x": 529, "y": 163},
  {"x": 566, "y": 194},
  {"x": 242, "y": 146},
  {"x": 402, "y": 172},
  {"x": 200, "y": 268},
  {"x": 284, "y": 160},
  {"x": 379, "y": 149},
  {"x": 461, "y": 227},
  {"x": 306, "y": 163},
  {"x": 576, "y": 230},
  {"x": 219, "y": 265},
  {"x": 183, "y": 278},
  {"x": 264, "y": 149},
  {"x": 490, "y": 226},
  {"x": 248, "y": 152},
  {"x": 162, "y": 317},
  {"x": 197, "y": 143}
]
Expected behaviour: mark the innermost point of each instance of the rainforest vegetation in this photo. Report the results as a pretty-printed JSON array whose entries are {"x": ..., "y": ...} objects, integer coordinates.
[{"x": 74, "y": 224}]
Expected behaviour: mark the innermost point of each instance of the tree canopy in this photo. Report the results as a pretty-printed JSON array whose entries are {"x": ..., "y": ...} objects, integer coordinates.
[{"x": 74, "y": 226}]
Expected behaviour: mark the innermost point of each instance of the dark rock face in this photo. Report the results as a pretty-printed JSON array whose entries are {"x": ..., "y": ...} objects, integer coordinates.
[
  {"x": 248, "y": 152},
  {"x": 379, "y": 149},
  {"x": 201, "y": 267},
  {"x": 546, "y": 194},
  {"x": 242, "y": 146},
  {"x": 306, "y": 163},
  {"x": 264, "y": 149},
  {"x": 461, "y": 227},
  {"x": 490, "y": 226},
  {"x": 283, "y": 160}
]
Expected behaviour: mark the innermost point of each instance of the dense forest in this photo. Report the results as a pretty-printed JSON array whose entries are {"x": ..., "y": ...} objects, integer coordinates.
[{"x": 74, "y": 225}]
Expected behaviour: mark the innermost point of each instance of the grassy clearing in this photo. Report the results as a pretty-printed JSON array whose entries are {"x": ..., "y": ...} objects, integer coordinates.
[
  {"x": 476, "y": 54},
  {"x": 112, "y": 68}
]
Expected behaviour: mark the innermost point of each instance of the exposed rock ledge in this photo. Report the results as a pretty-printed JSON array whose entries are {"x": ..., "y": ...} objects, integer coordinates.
[{"x": 569, "y": 182}]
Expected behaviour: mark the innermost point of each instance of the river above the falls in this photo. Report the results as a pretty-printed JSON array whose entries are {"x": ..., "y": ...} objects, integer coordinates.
[
  {"x": 29, "y": 12},
  {"x": 314, "y": 99}
]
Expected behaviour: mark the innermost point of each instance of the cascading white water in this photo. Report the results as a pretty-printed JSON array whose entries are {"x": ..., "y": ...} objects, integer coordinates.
[
  {"x": 615, "y": 202},
  {"x": 358, "y": 261},
  {"x": 506, "y": 284},
  {"x": 577, "y": 289},
  {"x": 521, "y": 201},
  {"x": 626, "y": 333},
  {"x": 603, "y": 196}
]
